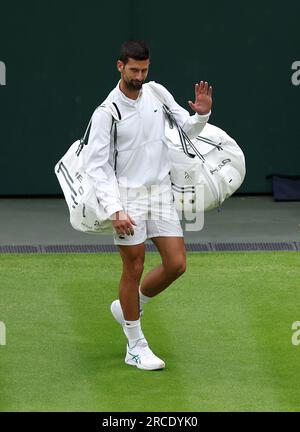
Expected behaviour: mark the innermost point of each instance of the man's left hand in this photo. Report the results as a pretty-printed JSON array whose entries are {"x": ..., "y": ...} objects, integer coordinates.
[{"x": 203, "y": 98}]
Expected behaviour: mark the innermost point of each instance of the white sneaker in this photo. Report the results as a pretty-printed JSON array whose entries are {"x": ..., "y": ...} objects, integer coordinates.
[
  {"x": 142, "y": 357},
  {"x": 117, "y": 312}
]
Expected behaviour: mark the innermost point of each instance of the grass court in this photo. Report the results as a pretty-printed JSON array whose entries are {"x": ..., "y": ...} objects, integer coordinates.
[{"x": 224, "y": 330}]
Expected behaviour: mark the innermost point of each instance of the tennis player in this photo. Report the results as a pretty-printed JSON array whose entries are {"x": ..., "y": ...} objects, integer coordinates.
[{"x": 129, "y": 163}]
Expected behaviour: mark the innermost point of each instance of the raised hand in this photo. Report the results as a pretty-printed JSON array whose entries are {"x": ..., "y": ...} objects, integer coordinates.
[{"x": 203, "y": 98}]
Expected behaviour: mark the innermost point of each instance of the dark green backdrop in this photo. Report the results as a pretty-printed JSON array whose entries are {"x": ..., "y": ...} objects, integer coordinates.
[{"x": 60, "y": 64}]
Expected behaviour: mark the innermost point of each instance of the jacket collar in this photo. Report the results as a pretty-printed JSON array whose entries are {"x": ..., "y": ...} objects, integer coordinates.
[{"x": 126, "y": 99}]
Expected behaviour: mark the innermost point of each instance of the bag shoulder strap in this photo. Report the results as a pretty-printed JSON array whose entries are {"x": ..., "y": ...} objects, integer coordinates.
[
  {"x": 186, "y": 143},
  {"x": 184, "y": 139},
  {"x": 113, "y": 109}
]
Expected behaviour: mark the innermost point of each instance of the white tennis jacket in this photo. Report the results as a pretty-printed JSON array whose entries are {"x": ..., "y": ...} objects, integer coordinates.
[{"x": 140, "y": 155}]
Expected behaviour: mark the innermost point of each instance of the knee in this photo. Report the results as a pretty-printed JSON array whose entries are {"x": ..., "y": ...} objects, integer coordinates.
[
  {"x": 181, "y": 267},
  {"x": 177, "y": 268},
  {"x": 138, "y": 267},
  {"x": 134, "y": 267}
]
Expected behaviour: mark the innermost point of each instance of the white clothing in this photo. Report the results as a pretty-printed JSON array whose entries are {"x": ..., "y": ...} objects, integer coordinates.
[
  {"x": 142, "y": 158},
  {"x": 155, "y": 215}
]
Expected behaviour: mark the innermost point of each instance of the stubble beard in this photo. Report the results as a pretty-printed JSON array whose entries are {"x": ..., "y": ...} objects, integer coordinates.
[{"x": 133, "y": 84}]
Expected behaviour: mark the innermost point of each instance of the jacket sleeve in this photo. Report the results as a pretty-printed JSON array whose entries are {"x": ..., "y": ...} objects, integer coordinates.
[
  {"x": 192, "y": 125},
  {"x": 95, "y": 160}
]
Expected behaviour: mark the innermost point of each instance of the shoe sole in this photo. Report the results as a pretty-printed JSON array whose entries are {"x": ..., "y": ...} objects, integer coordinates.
[{"x": 139, "y": 366}]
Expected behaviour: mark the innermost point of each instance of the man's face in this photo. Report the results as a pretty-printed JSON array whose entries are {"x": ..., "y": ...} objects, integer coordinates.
[{"x": 134, "y": 72}]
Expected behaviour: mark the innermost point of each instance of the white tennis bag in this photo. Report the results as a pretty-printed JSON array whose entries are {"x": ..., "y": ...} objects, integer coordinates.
[
  {"x": 213, "y": 166},
  {"x": 204, "y": 171},
  {"x": 86, "y": 212}
]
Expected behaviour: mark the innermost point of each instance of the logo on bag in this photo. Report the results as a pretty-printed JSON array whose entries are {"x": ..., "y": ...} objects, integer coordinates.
[
  {"x": 2, "y": 73},
  {"x": 79, "y": 177},
  {"x": 220, "y": 166}
]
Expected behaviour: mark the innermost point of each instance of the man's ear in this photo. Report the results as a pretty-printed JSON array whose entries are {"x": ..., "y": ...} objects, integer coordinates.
[{"x": 120, "y": 65}]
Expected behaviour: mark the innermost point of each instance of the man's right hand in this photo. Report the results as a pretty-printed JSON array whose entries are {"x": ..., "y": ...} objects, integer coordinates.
[{"x": 123, "y": 223}]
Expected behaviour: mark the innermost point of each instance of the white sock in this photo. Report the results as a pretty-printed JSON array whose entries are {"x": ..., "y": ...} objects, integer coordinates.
[
  {"x": 133, "y": 332},
  {"x": 143, "y": 299}
]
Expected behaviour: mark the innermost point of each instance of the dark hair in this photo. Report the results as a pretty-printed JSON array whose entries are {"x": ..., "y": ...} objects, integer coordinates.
[{"x": 135, "y": 49}]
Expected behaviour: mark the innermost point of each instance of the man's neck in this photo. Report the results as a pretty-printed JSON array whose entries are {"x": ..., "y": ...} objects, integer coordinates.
[{"x": 131, "y": 94}]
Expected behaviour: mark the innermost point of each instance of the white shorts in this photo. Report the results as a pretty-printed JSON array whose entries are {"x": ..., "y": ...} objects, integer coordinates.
[{"x": 154, "y": 213}]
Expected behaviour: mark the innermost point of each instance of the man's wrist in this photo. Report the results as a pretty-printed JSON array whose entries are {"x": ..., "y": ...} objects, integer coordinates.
[
  {"x": 204, "y": 117},
  {"x": 118, "y": 216},
  {"x": 111, "y": 210}
]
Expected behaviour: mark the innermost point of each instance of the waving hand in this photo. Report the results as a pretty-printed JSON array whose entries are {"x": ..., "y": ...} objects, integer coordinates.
[{"x": 203, "y": 98}]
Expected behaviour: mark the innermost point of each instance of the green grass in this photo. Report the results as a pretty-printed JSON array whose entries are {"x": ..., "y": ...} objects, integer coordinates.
[{"x": 223, "y": 328}]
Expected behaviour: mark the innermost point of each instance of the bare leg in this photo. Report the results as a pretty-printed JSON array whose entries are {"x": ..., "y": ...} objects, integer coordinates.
[
  {"x": 173, "y": 254},
  {"x": 133, "y": 265}
]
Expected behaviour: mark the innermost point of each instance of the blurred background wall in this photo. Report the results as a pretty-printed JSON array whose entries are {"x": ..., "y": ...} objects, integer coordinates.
[{"x": 59, "y": 58}]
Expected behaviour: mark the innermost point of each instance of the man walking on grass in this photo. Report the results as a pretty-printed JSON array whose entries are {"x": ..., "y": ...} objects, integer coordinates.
[{"x": 129, "y": 163}]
